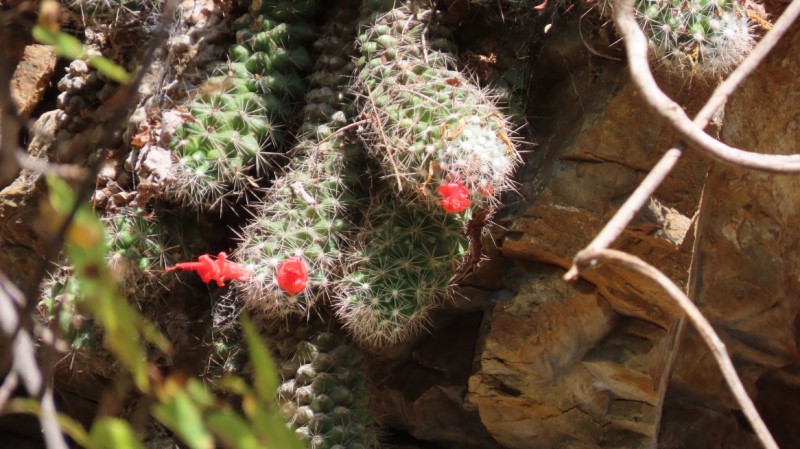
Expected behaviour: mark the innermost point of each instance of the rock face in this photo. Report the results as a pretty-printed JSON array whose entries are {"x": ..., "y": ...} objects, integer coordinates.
[
  {"x": 585, "y": 365},
  {"x": 745, "y": 273},
  {"x": 31, "y": 77}
]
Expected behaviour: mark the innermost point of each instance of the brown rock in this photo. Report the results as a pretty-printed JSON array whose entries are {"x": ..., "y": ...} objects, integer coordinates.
[
  {"x": 745, "y": 276},
  {"x": 530, "y": 387},
  {"x": 557, "y": 365},
  {"x": 31, "y": 77}
]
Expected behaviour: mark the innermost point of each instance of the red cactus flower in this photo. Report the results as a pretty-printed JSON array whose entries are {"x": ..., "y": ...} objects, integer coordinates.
[
  {"x": 456, "y": 197},
  {"x": 219, "y": 270},
  {"x": 292, "y": 276}
]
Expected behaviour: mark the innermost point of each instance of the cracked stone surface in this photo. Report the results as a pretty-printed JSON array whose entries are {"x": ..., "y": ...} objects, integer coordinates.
[{"x": 745, "y": 277}]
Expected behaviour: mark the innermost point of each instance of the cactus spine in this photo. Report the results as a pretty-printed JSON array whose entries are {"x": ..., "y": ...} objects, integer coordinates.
[
  {"x": 430, "y": 125},
  {"x": 304, "y": 213},
  {"x": 238, "y": 115}
]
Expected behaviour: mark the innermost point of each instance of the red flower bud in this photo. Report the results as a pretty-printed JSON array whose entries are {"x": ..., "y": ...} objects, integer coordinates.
[
  {"x": 292, "y": 276},
  {"x": 456, "y": 197}
]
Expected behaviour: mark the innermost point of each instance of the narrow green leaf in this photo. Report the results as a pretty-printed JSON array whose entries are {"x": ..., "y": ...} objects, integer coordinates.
[
  {"x": 235, "y": 385},
  {"x": 232, "y": 430},
  {"x": 179, "y": 414},
  {"x": 113, "y": 433},
  {"x": 112, "y": 70},
  {"x": 198, "y": 393},
  {"x": 265, "y": 374},
  {"x": 65, "y": 45},
  {"x": 69, "y": 47}
]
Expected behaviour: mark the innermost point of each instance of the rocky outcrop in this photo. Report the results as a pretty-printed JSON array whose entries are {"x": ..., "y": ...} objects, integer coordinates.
[
  {"x": 586, "y": 365},
  {"x": 745, "y": 273}
]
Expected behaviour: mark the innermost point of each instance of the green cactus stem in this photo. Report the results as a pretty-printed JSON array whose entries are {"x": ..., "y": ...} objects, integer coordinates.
[
  {"x": 400, "y": 268},
  {"x": 429, "y": 125},
  {"x": 241, "y": 116},
  {"x": 305, "y": 213}
]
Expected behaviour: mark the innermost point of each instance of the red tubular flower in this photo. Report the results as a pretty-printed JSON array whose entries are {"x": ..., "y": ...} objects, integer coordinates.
[
  {"x": 456, "y": 197},
  {"x": 292, "y": 276},
  {"x": 219, "y": 270}
]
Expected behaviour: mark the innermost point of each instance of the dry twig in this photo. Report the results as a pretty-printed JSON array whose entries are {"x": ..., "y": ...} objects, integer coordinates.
[{"x": 656, "y": 176}]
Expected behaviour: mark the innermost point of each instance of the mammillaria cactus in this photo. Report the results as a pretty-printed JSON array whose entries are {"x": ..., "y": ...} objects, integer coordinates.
[
  {"x": 429, "y": 124},
  {"x": 238, "y": 116},
  {"x": 292, "y": 243},
  {"x": 400, "y": 268},
  {"x": 696, "y": 37},
  {"x": 323, "y": 395}
]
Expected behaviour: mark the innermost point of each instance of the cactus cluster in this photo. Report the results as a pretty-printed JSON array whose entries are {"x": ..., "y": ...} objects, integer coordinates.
[
  {"x": 430, "y": 125},
  {"x": 239, "y": 116},
  {"x": 704, "y": 38},
  {"x": 323, "y": 395},
  {"x": 305, "y": 212}
]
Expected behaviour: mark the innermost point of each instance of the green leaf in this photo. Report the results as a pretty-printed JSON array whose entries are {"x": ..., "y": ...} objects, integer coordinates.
[
  {"x": 179, "y": 414},
  {"x": 110, "y": 69},
  {"x": 65, "y": 45},
  {"x": 235, "y": 385},
  {"x": 265, "y": 374},
  {"x": 113, "y": 433},
  {"x": 198, "y": 393},
  {"x": 232, "y": 430}
]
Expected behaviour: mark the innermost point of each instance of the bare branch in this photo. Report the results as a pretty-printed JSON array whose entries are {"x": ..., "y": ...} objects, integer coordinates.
[
  {"x": 42, "y": 167},
  {"x": 703, "y": 327},
  {"x": 24, "y": 366},
  {"x": 9, "y": 384},
  {"x": 628, "y": 210},
  {"x": 48, "y": 417},
  {"x": 636, "y": 47}
]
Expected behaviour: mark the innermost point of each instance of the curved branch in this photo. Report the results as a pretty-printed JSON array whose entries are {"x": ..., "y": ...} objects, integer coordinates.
[
  {"x": 636, "y": 47},
  {"x": 648, "y": 186},
  {"x": 703, "y": 327}
]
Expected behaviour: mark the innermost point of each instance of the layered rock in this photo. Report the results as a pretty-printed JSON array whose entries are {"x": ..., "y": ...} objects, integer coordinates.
[
  {"x": 744, "y": 274},
  {"x": 586, "y": 365}
]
